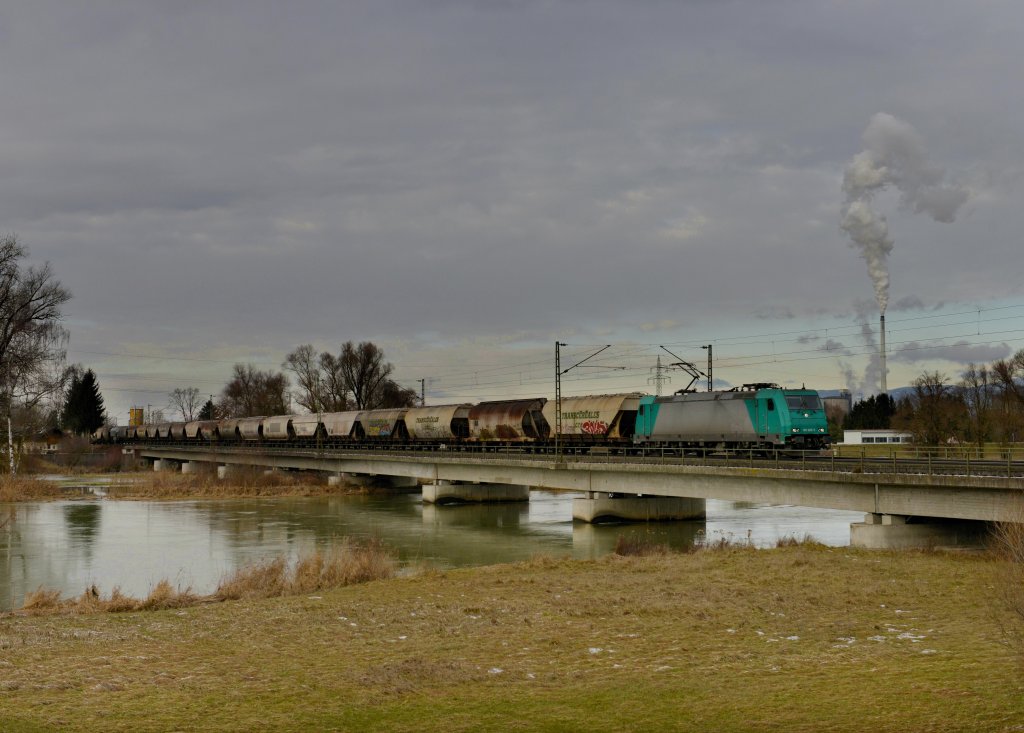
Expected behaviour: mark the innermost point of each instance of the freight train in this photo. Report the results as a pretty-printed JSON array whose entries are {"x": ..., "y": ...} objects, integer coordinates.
[{"x": 753, "y": 417}]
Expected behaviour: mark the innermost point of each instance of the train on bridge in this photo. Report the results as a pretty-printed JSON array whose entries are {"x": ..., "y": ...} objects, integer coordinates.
[{"x": 752, "y": 417}]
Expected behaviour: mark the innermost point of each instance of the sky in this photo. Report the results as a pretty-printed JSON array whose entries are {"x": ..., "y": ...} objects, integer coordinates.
[{"x": 466, "y": 183}]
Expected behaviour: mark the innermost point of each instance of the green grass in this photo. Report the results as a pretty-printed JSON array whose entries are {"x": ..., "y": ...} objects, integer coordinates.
[{"x": 883, "y": 642}]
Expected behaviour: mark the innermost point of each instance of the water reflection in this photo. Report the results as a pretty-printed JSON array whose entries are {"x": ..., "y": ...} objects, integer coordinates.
[
  {"x": 83, "y": 522},
  {"x": 493, "y": 516},
  {"x": 73, "y": 544},
  {"x": 590, "y": 541}
]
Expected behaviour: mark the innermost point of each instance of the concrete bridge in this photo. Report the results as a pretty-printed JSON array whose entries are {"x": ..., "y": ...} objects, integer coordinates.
[{"x": 901, "y": 509}]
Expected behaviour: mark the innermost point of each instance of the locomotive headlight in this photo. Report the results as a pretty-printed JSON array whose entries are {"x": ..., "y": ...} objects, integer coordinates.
[
  {"x": 796, "y": 430},
  {"x": 821, "y": 430}
]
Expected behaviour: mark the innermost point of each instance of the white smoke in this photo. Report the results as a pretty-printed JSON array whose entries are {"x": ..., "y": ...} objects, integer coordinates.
[
  {"x": 894, "y": 155},
  {"x": 867, "y": 383}
]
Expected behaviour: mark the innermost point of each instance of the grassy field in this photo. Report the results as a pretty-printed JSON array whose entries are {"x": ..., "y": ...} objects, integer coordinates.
[{"x": 801, "y": 638}]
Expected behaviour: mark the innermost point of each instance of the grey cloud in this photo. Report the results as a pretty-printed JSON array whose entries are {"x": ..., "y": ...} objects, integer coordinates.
[
  {"x": 960, "y": 352},
  {"x": 837, "y": 347},
  {"x": 214, "y": 177},
  {"x": 774, "y": 313}
]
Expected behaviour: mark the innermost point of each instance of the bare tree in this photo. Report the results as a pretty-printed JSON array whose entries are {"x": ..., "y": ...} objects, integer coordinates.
[
  {"x": 31, "y": 339},
  {"x": 335, "y": 392},
  {"x": 253, "y": 392},
  {"x": 365, "y": 372},
  {"x": 302, "y": 362},
  {"x": 326, "y": 382},
  {"x": 1009, "y": 373},
  {"x": 978, "y": 394},
  {"x": 934, "y": 412},
  {"x": 186, "y": 401}
]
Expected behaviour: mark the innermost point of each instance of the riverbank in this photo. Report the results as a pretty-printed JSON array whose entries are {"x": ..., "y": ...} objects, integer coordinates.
[
  {"x": 797, "y": 638},
  {"x": 170, "y": 486}
]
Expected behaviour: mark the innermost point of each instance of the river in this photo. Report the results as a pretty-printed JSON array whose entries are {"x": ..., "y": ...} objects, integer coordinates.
[{"x": 72, "y": 544}]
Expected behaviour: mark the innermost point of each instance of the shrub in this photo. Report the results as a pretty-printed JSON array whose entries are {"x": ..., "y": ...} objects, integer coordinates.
[
  {"x": 347, "y": 564},
  {"x": 1008, "y": 544},
  {"x": 639, "y": 546}
]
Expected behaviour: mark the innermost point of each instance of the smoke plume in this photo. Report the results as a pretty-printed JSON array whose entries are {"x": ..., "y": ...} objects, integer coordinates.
[{"x": 894, "y": 155}]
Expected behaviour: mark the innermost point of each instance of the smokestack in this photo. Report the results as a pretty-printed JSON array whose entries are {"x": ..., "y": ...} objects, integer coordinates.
[{"x": 885, "y": 389}]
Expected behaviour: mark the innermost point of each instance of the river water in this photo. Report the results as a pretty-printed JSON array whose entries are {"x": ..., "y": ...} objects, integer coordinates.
[{"x": 72, "y": 544}]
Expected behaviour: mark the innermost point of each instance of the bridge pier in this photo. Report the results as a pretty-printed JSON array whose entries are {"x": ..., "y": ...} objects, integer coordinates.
[
  {"x": 897, "y": 532},
  {"x": 452, "y": 492},
  {"x": 227, "y": 471},
  {"x": 163, "y": 464},
  {"x": 598, "y": 507}
]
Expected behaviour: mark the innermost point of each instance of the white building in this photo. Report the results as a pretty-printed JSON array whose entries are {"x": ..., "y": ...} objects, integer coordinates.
[{"x": 869, "y": 437}]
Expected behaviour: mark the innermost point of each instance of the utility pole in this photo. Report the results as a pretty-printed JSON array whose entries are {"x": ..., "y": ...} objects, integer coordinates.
[
  {"x": 659, "y": 378},
  {"x": 709, "y": 350},
  {"x": 558, "y": 400},
  {"x": 558, "y": 391},
  {"x": 423, "y": 392}
]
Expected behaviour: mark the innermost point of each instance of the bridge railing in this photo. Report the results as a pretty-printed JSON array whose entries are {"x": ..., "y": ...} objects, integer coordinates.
[{"x": 924, "y": 462}]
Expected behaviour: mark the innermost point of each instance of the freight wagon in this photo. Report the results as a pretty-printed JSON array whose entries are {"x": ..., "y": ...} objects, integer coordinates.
[{"x": 756, "y": 416}]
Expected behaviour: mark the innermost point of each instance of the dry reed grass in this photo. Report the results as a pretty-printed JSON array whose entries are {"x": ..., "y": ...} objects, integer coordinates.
[
  {"x": 348, "y": 564},
  {"x": 248, "y": 482},
  {"x": 634, "y": 545},
  {"x": 44, "y": 601},
  {"x": 27, "y": 488},
  {"x": 808, "y": 540}
]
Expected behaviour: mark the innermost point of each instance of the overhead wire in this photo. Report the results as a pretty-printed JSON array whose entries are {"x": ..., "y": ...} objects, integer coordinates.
[{"x": 486, "y": 378}]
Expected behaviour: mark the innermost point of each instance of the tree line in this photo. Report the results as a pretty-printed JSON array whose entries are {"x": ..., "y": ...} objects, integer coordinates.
[
  {"x": 986, "y": 405},
  {"x": 39, "y": 391},
  {"x": 358, "y": 377}
]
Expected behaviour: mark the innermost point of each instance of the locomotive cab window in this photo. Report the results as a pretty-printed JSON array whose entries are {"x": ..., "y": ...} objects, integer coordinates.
[{"x": 803, "y": 402}]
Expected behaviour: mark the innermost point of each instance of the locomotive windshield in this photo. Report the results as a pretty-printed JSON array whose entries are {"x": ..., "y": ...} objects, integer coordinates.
[{"x": 803, "y": 402}]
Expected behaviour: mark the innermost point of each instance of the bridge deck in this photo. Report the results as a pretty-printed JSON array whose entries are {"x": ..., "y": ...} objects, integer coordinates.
[{"x": 830, "y": 484}]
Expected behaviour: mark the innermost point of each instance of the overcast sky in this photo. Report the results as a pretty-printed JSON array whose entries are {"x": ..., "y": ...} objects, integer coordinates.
[{"x": 466, "y": 182}]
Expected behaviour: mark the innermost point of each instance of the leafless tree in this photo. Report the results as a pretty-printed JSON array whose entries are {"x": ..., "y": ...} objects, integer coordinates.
[
  {"x": 32, "y": 343},
  {"x": 335, "y": 392},
  {"x": 1008, "y": 377},
  {"x": 978, "y": 394},
  {"x": 254, "y": 392},
  {"x": 365, "y": 372},
  {"x": 934, "y": 412},
  {"x": 186, "y": 401},
  {"x": 359, "y": 374},
  {"x": 1009, "y": 374},
  {"x": 309, "y": 392}
]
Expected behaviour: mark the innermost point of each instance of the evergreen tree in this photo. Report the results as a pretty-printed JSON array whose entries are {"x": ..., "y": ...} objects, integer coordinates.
[
  {"x": 207, "y": 412},
  {"x": 83, "y": 410},
  {"x": 873, "y": 413}
]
